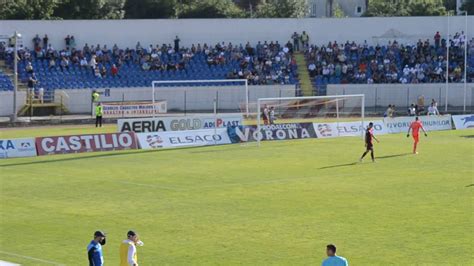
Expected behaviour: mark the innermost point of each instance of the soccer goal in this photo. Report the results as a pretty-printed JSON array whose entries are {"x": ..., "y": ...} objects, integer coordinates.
[
  {"x": 329, "y": 116},
  {"x": 202, "y": 96}
]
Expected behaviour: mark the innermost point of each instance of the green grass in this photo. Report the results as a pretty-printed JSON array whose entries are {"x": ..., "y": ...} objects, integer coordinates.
[{"x": 277, "y": 204}]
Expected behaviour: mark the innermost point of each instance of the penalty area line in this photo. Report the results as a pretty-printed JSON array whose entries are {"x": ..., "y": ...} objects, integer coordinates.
[{"x": 31, "y": 258}]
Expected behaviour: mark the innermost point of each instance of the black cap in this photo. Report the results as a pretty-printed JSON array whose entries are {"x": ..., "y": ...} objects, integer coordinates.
[
  {"x": 131, "y": 233},
  {"x": 99, "y": 233}
]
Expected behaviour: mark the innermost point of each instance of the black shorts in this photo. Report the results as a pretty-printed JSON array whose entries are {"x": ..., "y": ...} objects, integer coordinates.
[{"x": 370, "y": 146}]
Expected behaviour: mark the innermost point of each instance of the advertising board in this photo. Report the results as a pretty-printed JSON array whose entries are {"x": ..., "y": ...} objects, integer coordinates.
[
  {"x": 175, "y": 139},
  {"x": 86, "y": 143},
  {"x": 430, "y": 123},
  {"x": 463, "y": 121},
  {"x": 133, "y": 109},
  {"x": 347, "y": 129},
  {"x": 10, "y": 148},
  {"x": 178, "y": 123},
  {"x": 272, "y": 132}
]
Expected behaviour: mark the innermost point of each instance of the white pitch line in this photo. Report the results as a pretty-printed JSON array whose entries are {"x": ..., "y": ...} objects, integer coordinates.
[{"x": 31, "y": 258}]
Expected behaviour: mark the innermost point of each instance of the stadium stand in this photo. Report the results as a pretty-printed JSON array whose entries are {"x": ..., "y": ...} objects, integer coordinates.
[
  {"x": 101, "y": 67},
  {"x": 351, "y": 63},
  {"x": 5, "y": 82}
]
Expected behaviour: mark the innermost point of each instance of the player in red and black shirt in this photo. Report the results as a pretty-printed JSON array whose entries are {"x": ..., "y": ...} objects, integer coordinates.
[{"x": 369, "y": 145}]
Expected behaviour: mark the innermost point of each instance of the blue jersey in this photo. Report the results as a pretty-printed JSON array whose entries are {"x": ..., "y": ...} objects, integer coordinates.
[
  {"x": 94, "y": 252},
  {"x": 335, "y": 261}
]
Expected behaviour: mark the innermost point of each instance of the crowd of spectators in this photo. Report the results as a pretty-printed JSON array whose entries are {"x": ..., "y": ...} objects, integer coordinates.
[
  {"x": 264, "y": 63},
  {"x": 424, "y": 62}
]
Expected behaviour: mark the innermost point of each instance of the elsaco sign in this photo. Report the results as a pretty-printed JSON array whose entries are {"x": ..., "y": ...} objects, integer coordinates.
[
  {"x": 86, "y": 143},
  {"x": 272, "y": 132},
  {"x": 10, "y": 148},
  {"x": 178, "y": 123},
  {"x": 463, "y": 121},
  {"x": 430, "y": 123},
  {"x": 347, "y": 129},
  {"x": 202, "y": 137}
]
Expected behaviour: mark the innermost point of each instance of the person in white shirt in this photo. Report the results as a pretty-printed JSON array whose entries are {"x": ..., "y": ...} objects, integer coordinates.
[
  {"x": 83, "y": 62},
  {"x": 128, "y": 249},
  {"x": 434, "y": 106}
]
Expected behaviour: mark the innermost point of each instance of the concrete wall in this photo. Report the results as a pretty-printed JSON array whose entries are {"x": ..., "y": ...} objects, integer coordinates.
[
  {"x": 321, "y": 30},
  {"x": 6, "y": 102},
  {"x": 402, "y": 95},
  {"x": 194, "y": 99}
]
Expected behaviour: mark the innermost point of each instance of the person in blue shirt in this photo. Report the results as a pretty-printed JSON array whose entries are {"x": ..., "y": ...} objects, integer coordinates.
[
  {"x": 333, "y": 259},
  {"x": 94, "y": 249}
]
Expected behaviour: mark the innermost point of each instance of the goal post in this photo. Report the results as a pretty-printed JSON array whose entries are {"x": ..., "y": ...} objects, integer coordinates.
[
  {"x": 203, "y": 94},
  {"x": 313, "y": 109}
]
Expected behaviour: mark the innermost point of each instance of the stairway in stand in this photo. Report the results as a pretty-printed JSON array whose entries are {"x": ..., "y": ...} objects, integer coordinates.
[{"x": 303, "y": 75}]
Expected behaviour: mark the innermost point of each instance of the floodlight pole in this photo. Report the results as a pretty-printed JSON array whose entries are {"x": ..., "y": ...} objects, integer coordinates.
[
  {"x": 448, "y": 43},
  {"x": 15, "y": 76},
  {"x": 465, "y": 63}
]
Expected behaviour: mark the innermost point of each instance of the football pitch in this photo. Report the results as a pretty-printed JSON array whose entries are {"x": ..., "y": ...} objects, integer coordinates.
[{"x": 278, "y": 204}]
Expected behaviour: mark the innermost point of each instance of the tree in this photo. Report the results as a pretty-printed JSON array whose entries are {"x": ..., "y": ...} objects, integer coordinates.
[
  {"x": 338, "y": 12},
  {"x": 146, "y": 9},
  {"x": 210, "y": 9},
  {"x": 388, "y": 8},
  {"x": 282, "y": 9},
  {"x": 468, "y": 6},
  {"x": 90, "y": 9},
  {"x": 27, "y": 9}
]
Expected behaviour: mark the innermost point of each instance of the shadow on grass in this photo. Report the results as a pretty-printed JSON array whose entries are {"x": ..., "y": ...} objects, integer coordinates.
[
  {"x": 392, "y": 156},
  {"x": 468, "y": 137},
  {"x": 102, "y": 155},
  {"x": 92, "y": 156},
  {"x": 470, "y": 185},
  {"x": 376, "y": 158}
]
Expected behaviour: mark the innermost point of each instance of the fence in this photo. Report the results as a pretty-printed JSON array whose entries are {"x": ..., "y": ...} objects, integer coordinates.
[
  {"x": 379, "y": 96},
  {"x": 181, "y": 100}
]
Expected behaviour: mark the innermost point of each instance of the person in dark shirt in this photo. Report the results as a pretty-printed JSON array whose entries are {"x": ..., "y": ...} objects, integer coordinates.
[
  {"x": 369, "y": 145},
  {"x": 94, "y": 249}
]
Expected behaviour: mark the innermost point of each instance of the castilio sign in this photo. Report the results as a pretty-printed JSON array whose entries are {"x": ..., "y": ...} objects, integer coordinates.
[{"x": 86, "y": 143}]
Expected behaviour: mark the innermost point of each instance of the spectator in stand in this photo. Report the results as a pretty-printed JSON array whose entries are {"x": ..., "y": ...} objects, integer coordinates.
[
  {"x": 437, "y": 40},
  {"x": 304, "y": 39},
  {"x": 389, "y": 112},
  {"x": 296, "y": 41},
  {"x": 83, "y": 63},
  {"x": 93, "y": 64},
  {"x": 45, "y": 41},
  {"x": 114, "y": 70},
  {"x": 29, "y": 68},
  {"x": 68, "y": 41},
  {"x": 52, "y": 63},
  {"x": 64, "y": 64},
  {"x": 97, "y": 73},
  {"x": 312, "y": 70},
  {"x": 431, "y": 110},
  {"x": 72, "y": 42},
  {"x": 434, "y": 104},
  {"x": 32, "y": 81},
  {"x": 36, "y": 41},
  {"x": 176, "y": 44},
  {"x": 103, "y": 72},
  {"x": 412, "y": 110}
]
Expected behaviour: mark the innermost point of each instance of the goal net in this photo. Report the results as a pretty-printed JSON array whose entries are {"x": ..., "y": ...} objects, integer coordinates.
[{"x": 325, "y": 116}]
